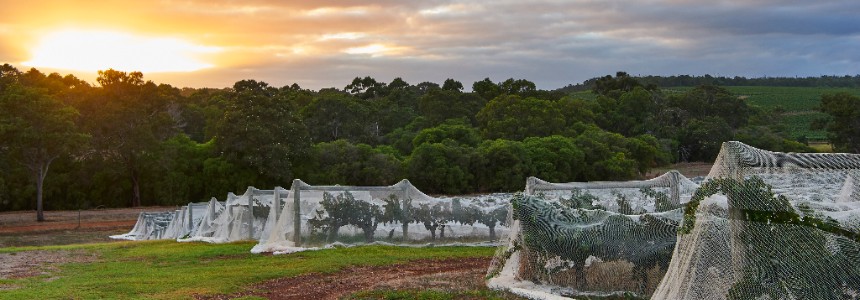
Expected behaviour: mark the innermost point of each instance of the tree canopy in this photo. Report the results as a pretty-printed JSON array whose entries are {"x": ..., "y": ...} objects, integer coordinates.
[{"x": 127, "y": 141}]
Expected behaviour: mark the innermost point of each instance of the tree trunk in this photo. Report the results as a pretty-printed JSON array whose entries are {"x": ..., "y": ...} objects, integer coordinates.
[
  {"x": 492, "y": 232},
  {"x": 41, "y": 171},
  {"x": 442, "y": 232},
  {"x": 368, "y": 233},
  {"x": 405, "y": 231},
  {"x": 332, "y": 234},
  {"x": 135, "y": 183},
  {"x": 40, "y": 180},
  {"x": 432, "y": 229}
]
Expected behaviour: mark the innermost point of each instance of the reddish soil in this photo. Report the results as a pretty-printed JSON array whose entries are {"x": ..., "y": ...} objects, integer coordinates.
[
  {"x": 66, "y": 226},
  {"x": 19, "y": 228},
  {"x": 447, "y": 275}
]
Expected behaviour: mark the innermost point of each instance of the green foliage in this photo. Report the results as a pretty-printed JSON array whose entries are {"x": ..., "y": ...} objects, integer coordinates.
[
  {"x": 554, "y": 158},
  {"x": 763, "y": 137},
  {"x": 614, "y": 86},
  {"x": 766, "y": 226},
  {"x": 261, "y": 130},
  {"x": 341, "y": 162},
  {"x": 515, "y": 118},
  {"x": 366, "y": 88},
  {"x": 343, "y": 210},
  {"x": 433, "y": 217},
  {"x": 552, "y": 231},
  {"x": 843, "y": 121},
  {"x": 624, "y": 205},
  {"x": 441, "y": 168},
  {"x": 451, "y": 132},
  {"x": 661, "y": 200},
  {"x": 333, "y": 115},
  {"x": 179, "y": 163},
  {"x": 36, "y": 128},
  {"x": 606, "y": 154},
  {"x": 580, "y": 199},
  {"x": 127, "y": 119},
  {"x": 502, "y": 165},
  {"x": 701, "y": 139},
  {"x": 440, "y": 104}
]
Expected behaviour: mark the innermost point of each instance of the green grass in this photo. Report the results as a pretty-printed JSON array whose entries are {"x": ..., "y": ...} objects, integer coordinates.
[
  {"x": 171, "y": 270},
  {"x": 429, "y": 295}
]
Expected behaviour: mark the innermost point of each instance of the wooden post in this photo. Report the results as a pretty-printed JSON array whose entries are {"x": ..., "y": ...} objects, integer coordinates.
[
  {"x": 297, "y": 214},
  {"x": 276, "y": 203},
  {"x": 251, "y": 214},
  {"x": 406, "y": 208},
  {"x": 674, "y": 189},
  {"x": 190, "y": 216}
]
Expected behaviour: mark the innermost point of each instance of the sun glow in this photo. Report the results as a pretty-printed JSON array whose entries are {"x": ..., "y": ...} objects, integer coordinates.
[{"x": 83, "y": 50}]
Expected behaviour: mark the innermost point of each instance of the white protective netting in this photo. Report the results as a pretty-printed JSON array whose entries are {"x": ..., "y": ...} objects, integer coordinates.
[
  {"x": 239, "y": 218},
  {"x": 596, "y": 239},
  {"x": 149, "y": 226},
  {"x": 308, "y": 216},
  {"x": 186, "y": 219},
  {"x": 170, "y": 225},
  {"x": 207, "y": 225},
  {"x": 770, "y": 225}
]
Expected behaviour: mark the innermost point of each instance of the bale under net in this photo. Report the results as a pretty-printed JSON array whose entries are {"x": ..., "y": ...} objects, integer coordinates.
[
  {"x": 241, "y": 218},
  {"x": 186, "y": 220},
  {"x": 311, "y": 216},
  {"x": 603, "y": 239},
  {"x": 770, "y": 225},
  {"x": 149, "y": 226}
]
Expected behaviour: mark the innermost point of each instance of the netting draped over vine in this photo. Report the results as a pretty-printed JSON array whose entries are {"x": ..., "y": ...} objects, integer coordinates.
[
  {"x": 185, "y": 220},
  {"x": 770, "y": 225},
  {"x": 178, "y": 224},
  {"x": 241, "y": 218},
  {"x": 309, "y": 215},
  {"x": 591, "y": 238},
  {"x": 149, "y": 226}
]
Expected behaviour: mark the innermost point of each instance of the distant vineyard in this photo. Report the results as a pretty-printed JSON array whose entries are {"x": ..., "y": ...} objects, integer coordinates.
[{"x": 799, "y": 104}]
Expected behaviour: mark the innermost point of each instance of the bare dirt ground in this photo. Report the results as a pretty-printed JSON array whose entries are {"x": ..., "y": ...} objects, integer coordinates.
[
  {"x": 35, "y": 263},
  {"x": 450, "y": 275},
  {"x": 19, "y": 228}
]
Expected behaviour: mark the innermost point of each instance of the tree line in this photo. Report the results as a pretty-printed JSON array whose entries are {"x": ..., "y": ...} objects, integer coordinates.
[
  {"x": 125, "y": 141},
  {"x": 832, "y": 81}
]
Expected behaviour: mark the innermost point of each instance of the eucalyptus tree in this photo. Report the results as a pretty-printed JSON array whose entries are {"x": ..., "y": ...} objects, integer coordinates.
[
  {"x": 37, "y": 128},
  {"x": 128, "y": 118}
]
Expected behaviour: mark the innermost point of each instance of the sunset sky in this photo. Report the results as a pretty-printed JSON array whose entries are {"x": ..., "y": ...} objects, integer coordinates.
[{"x": 321, "y": 44}]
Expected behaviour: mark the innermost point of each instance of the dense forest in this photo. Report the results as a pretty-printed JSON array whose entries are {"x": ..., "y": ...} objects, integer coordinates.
[{"x": 125, "y": 141}]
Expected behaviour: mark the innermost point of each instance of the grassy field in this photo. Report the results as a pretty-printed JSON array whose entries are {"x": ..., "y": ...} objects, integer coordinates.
[{"x": 171, "y": 270}]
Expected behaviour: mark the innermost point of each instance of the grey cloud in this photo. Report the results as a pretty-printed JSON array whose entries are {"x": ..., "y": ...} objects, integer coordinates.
[{"x": 553, "y": 43}]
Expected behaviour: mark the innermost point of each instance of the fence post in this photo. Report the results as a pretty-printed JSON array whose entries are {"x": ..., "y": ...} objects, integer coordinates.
[
  {"x": 251, "y": 214},
  {"x": 190, "y": 216},
  {"x": 674, "y": 188},
  {"x": 297, "y": 213},
  {"x": 276, "y": 204}
]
